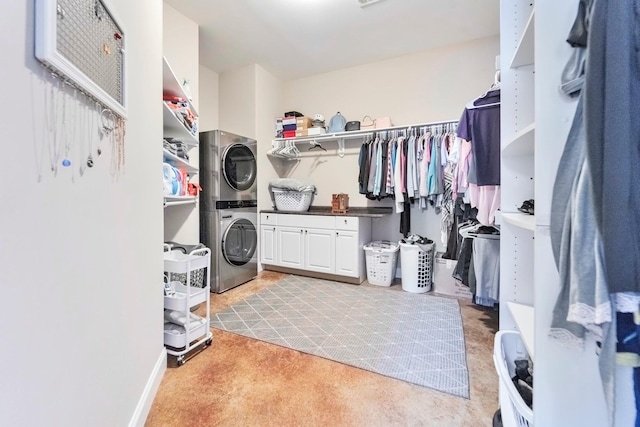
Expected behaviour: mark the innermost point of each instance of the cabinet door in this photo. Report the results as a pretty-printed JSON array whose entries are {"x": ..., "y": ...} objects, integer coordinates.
[
  {"x": 268, "y": 244},
  {"x": 290, "y": 247},
  {"x": 347, "y": 253},
  {"x": 320, "y": 250}
]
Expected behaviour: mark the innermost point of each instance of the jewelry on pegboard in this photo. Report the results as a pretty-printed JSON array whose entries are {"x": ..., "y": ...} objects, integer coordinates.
[
  {"x": 87, "y": 129},
  {"x": 66, "y": 162},
  {"x": 117, "y": 146},
  {"x": 52, "y": 108},
  {"x": 95, "y": 123}
]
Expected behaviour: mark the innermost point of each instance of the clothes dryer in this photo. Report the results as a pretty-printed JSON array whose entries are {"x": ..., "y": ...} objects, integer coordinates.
[
  {"x": 231, "y": 233},
  {"x": 228, "y": 168}
]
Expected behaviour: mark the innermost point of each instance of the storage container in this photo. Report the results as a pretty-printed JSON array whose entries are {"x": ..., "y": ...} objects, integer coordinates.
[
  {"x": 381, "y": 258},
  {"x": 443, "y": 281},
  {"x": 507, "y": 347},
  {"x": 293, "y": 201}
]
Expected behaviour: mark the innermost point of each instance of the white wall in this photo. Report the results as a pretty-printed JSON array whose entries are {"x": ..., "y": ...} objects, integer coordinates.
[
  {"x": 209, "y": 94},
  {"x": 180, "y": 47},
  {"x": 428, "y": 86},
  {"x": 269, "y": 93},
  {"x": 237, "y": 102},
  {"x": 81, "y": 256}
]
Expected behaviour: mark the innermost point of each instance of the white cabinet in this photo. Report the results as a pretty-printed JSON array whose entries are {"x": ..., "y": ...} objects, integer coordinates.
[
  {"x": 290, "y": 247},
  {"x": 319, "y": 248},
  {"x": 347, "y": 253},
  {"x": 268, "y": 244},
  {"x": 315, "y": 244}
]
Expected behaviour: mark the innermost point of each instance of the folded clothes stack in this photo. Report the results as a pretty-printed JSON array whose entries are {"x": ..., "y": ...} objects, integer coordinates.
[
  {"x": 183, "y": 113},
  {"x": 176, "y": 147}
]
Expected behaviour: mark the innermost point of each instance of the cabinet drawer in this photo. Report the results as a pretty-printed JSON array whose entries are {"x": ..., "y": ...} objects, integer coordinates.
[
  {"x": 268, "y": 219},
  {"x": 347, "y": 223},
  {"x": 306, "y": 221}
]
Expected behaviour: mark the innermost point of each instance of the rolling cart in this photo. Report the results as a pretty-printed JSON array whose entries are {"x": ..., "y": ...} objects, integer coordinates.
[{"x": 187, "y": 285}]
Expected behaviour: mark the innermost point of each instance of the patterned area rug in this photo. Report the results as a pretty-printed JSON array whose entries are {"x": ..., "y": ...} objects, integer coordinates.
[{"x": 410, "y": 337}]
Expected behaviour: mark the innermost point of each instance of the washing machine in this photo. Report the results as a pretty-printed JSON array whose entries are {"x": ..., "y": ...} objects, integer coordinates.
[
  {"x": 231, "y": 232},
  {"x": 228, "y": 168}
]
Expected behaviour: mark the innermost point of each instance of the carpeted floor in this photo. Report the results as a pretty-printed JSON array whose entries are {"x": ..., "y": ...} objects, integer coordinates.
[
  {"x": 410, "y": 337},
  {"x": 244, "y": 381}
]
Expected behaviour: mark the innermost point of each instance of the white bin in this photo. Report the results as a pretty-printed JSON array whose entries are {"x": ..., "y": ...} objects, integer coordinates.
[
  {"x": 507, "y": 347},
  {"x": 381, "y": 258},
  {"x": 417, "y": 267}
]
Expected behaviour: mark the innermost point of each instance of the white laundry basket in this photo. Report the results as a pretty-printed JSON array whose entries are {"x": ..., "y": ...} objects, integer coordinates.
[
  {"x": 417, "y": 265},
  {"x": 507, "y": 347},
  {"x": 381, "y": 258}
]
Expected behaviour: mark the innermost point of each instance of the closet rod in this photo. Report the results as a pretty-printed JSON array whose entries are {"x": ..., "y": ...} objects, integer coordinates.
[{"x": 360, "y": 133}]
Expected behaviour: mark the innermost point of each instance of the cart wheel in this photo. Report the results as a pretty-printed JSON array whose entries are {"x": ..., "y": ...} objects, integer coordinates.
[
  {"x": 180, "y": 360},
  {"x": 208, "y": 342}
]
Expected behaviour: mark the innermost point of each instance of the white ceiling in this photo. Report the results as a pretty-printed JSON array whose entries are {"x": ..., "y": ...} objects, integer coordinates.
[{"x": 298, "y": 38}]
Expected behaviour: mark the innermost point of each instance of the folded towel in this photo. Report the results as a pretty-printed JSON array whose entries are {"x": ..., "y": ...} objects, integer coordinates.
[
  {"x": 291, "y": 184},
  {"x": 179, "y": 318}
]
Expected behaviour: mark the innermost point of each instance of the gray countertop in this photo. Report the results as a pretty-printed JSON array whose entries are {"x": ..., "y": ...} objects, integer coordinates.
[{"x": 377, "y": 212}]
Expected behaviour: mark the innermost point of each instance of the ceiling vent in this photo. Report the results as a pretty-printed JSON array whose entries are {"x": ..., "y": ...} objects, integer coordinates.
[{"x": 364, "y": 3}]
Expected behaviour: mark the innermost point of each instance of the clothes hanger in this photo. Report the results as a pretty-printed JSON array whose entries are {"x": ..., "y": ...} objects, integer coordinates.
[
  {"x": 315, "y": 144},
  {"x": 495, "y": 86}
]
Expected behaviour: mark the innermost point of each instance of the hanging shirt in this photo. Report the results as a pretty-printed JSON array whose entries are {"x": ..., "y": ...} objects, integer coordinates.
[
  {"x": 372, "y": 172},
  {"x": 398, "y": 177},
  {"x": 378, "y": 176},
  {"x": 411, "y": 164},
  {"x": 363, "y": 159},
  {"x": 481, "y": 127},
  {"x": 389, "y": 185}
]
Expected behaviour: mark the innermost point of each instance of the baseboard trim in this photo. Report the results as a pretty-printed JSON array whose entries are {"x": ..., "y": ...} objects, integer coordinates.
[
  {"x": 317, "y": 275},
  {"x": 149, "y": 393}
]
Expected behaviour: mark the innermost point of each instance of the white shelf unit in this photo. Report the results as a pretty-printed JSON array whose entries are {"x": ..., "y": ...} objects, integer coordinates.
[
  {"x": 172, "y": 127},
  {"x": 179, "y": 200},
  {"x": 518, "y": 219},
  {"x": 187, "y": 269},
  {"x": 535, "y": 121},
  {"x": 179, "y": 162},
  {"x": 523, "y": 316},
  {"x": 525, "y": 50},
  {"x": 172, "y": 86},
  {"x": 522, "y": 143}
]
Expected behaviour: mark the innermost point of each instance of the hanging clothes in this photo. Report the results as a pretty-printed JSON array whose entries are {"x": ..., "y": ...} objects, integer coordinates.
[{"x": 480, "y": 125}]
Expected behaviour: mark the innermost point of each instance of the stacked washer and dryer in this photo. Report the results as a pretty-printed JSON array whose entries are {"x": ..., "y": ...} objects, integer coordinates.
[{"x": 229, "y": 207}]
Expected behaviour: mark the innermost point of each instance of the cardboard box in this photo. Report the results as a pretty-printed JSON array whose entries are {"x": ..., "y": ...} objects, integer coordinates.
[
  {"x": 443, "y": 282},
  {"x": 303, "y": 123},
  {"x": 300, "y": 133}
]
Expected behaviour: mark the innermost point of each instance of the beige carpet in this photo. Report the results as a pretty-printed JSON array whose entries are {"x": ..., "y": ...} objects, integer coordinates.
[{"x": 243, "y": 381}]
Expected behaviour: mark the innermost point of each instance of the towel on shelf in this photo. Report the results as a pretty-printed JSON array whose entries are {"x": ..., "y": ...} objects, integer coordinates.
[
  {"x": 291, "y": 184},
  {"x": 179, "y": 318}
]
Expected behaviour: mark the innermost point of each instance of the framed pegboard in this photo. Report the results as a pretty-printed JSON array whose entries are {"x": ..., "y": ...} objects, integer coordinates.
[{"x": 82, "y": 41}]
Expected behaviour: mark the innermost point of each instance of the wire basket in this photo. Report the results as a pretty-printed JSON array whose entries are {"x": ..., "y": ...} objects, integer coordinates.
[
  {"x": 381, "y": 259},
  {"x": 196, "y": 277},
  {"x": 508, "y": 347},
  {"x": 295, "y": 201}
]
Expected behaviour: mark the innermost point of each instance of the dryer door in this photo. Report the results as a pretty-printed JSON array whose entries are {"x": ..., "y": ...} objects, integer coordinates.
[
  {"x": 239, "y": 167},
  {"x": 239, "y": 242}
]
